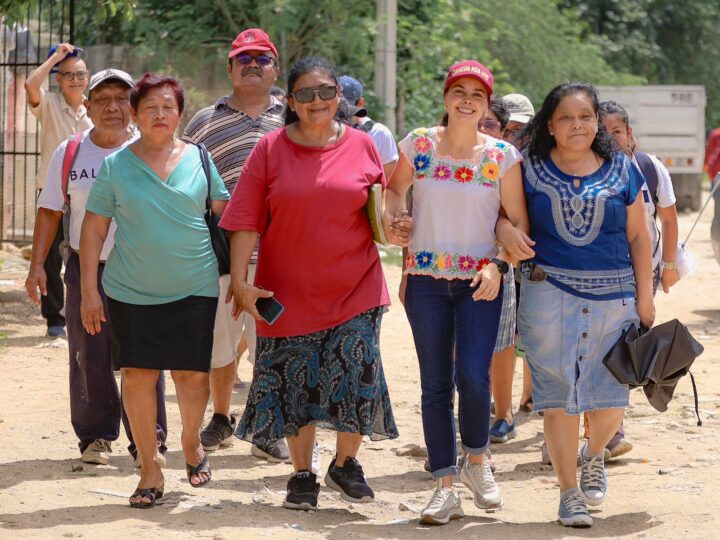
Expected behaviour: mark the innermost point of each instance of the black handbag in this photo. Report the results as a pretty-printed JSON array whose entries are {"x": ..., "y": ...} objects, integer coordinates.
[{"x": 218, "y": 236}]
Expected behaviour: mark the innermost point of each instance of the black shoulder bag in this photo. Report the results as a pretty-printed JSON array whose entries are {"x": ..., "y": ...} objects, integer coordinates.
[{"x": 218, "y": 236}]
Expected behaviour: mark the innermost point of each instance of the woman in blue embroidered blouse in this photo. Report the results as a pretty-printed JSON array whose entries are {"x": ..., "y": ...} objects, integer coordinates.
[{"x": 590, "y": 279}]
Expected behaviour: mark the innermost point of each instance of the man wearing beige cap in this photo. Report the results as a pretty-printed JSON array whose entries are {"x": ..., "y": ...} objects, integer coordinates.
[
  {"x": 521, "y": 112},
  {"x": 95, "y": 407},
  {"x": 230, "y": 129}
]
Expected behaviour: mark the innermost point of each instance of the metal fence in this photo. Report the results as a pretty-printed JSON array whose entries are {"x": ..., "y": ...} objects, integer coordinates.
[{"x": 27, "y": 34}]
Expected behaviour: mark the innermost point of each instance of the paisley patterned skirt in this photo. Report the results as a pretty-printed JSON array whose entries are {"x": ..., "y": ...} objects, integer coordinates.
[{"x": 331, "y": 379}]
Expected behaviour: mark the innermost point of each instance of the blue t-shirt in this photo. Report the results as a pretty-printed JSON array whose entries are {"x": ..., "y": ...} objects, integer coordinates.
[
  {"x": 580, "y": 232},
  {"x": 163, "y": 251}
]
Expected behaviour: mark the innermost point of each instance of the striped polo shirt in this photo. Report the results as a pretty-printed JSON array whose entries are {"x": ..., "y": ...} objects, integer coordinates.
[{"x": 230, "y": 134}]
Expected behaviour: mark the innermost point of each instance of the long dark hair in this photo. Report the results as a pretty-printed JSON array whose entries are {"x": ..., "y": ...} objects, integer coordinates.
[
  {"x": 536, "y": 132},
  {"x": 300, "y": 68}
]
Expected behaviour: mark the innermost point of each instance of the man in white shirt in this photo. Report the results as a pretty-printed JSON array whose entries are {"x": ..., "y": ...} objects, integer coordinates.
[
  {"x": 60, "y": 115},
  {"x": 95, "y": 406},
  {"x": 352, "y": 91}
]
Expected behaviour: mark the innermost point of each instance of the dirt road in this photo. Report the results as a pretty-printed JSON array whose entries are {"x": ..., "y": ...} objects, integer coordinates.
[{"x": 664, "y": 488}]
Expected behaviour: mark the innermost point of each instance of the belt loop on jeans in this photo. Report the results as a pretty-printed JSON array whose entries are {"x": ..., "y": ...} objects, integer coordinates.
[{"x": 76, "y": 252}]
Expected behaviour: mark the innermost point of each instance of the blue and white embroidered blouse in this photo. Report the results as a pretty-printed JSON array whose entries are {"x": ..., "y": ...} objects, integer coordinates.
[{"x": 580, "y": 232}]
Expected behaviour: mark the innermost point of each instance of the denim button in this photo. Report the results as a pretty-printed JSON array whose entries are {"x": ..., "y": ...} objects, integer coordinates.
[
  {"x": 580, "y": 358},
  {"x": 585, "y": 310},
  {"x": 584, "y": 334}
]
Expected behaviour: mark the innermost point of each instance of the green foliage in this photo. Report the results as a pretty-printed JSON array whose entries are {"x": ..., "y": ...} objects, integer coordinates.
[{"x": 665, "y": 41}]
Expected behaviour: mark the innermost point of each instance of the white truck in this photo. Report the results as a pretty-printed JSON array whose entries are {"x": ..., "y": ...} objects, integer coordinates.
[{"x": 669, "y": 122}]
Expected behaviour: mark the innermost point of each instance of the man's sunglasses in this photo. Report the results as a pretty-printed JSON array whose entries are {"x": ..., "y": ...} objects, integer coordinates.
[
  {"x": 489, "y": 124},
  {"x": 260, "y": 59},
  {"x": 70, "y": 75},
  {"x": 306, "y": 95}
]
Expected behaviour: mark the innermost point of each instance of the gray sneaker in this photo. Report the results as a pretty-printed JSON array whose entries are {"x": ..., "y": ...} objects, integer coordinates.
[
  {"x": 593, "y": 480},
  {"x": 444, "y": 505},
  {"x": 275, "y": 452},
  {"x": 97, "y": 452},
  {"x": 573, "y": 511},
  {"x": 479, "y": 479}
]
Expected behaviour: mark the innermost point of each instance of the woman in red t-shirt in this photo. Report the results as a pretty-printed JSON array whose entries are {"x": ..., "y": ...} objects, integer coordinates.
[{"x": 304, "y": 190}]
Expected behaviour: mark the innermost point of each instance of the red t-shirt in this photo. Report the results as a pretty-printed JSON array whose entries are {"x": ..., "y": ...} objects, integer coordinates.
[
  {"x": 316, "y": 249},
  {"x": 712, "y": 154}
]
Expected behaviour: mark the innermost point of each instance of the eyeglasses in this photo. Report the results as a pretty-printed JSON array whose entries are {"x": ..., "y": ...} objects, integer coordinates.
[
  {"x": 489, "y": 124},
  {"x": 70, "y": 75},
  {"x": 306, "y": 95},
  {"x": 260, "y": 59}
]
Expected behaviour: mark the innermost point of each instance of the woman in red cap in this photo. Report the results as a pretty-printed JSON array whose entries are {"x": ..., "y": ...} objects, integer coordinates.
[{"x": 460, "y": 178}]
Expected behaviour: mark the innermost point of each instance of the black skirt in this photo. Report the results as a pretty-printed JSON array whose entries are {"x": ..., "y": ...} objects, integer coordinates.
[{"x": 177, "y": 335}]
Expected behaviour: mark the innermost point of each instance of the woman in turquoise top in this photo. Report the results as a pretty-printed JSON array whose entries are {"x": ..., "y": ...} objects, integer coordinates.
[{"x": 161, "y": 278}]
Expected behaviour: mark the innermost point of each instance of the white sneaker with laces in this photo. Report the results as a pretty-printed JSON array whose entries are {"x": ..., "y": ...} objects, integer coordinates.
[
  {"x": 479, "y": 479},
  {"x": 444, "y": 505}
]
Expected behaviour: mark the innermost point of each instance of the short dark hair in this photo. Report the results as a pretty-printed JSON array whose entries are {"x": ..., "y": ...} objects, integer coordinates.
[
  {"x": 150, "y": 81},
  {"x": 613, "y": 107},
  {"x": 538, "y": 135},
  {"x": 300, "y": 68},
  {"x": 497, "y": 106}
]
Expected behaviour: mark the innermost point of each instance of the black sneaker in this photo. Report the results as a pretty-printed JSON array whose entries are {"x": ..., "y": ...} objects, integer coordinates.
[
  {"x": 350, "y": 481},
  {"x": 302, "y": 491},
  {"x": 219, "y": 432}
]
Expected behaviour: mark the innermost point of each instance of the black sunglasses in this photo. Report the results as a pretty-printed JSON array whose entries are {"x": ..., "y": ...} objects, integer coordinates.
[
  {"x": 306, "y": 95},
  {"x": 261, "y": 59}
]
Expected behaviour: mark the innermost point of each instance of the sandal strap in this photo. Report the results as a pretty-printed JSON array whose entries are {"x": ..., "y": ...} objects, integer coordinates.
[{"x": 202, "y": 467}]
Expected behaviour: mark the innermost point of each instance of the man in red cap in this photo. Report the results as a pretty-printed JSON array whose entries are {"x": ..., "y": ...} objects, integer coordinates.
[{"x": 230, "y": 129}]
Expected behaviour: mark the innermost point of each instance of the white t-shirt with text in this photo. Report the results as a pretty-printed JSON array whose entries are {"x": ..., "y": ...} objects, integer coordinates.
[{"x": 82, "y": 177}]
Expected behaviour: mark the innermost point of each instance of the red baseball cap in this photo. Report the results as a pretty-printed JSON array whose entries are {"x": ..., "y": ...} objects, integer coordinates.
[
  {"x": 472, "y": 69},
  {"x": 252, "y": 39}
]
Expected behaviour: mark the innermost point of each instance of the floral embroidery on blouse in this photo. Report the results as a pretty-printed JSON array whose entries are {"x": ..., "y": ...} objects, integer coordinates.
[
  {"x": 448, "y": 264},
  {"x": 484, "y": 171}
]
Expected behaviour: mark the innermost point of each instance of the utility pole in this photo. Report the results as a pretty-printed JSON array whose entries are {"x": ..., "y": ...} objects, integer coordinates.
[{"x": 386, "y": 59}]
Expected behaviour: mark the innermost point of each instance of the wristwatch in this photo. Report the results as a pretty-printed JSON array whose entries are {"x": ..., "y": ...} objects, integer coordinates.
[
  {"x": 503, "y": 267},
  {"x": 669, "y": 266}
]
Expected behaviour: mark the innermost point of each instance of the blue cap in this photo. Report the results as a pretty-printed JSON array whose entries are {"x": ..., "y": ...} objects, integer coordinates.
[
  {"x": 352, "y": 90},
  {"x": 52, "y": 50}
]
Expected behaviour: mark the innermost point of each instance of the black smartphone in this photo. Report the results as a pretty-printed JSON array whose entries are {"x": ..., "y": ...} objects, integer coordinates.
[{"x": 269, "y": 309}]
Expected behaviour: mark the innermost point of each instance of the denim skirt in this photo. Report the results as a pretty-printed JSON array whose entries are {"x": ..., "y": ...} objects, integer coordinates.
[{"x": 566, "y": 338}]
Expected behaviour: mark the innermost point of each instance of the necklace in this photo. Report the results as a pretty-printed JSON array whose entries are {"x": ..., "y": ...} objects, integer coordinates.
[{"x": 574, "y": 173}]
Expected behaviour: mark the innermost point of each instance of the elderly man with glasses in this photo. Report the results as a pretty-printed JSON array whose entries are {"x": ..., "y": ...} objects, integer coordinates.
[
  {"x": 230, "y": 129},
  {"x": 61, "y": 114}
]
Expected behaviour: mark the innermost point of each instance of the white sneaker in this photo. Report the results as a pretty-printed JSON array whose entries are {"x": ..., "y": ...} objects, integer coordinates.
[
  {"x": 316, "y": 465},
  {"x": 97, "y": 452},
  {"x": 479, "y": 479},
  {"x": 444, "y": 505}
]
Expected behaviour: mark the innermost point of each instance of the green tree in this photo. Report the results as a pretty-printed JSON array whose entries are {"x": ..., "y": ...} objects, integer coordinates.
[{"x": 665, "y": 41}]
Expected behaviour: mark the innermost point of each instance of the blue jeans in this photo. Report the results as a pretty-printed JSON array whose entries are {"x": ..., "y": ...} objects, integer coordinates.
[{"x": 454, "y": 338}]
